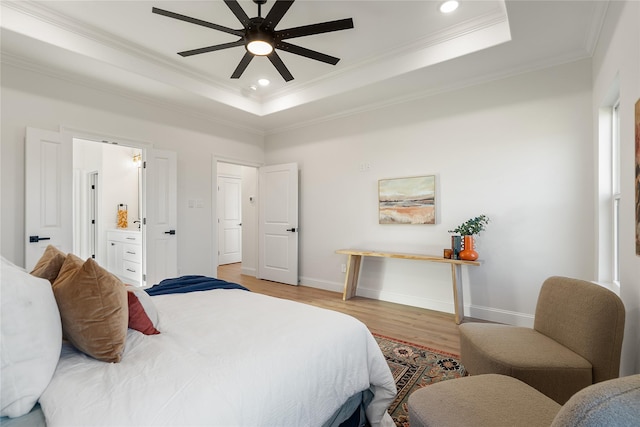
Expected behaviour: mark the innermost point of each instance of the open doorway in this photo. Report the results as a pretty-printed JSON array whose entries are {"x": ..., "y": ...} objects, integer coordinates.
[
  {"x": 107, "y": 206},
  {"x": 237, "y": 214}
]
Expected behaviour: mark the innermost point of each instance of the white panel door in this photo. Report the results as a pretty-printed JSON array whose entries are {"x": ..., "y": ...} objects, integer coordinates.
[
  {"x": 278, "y": 224},
  {"x": 48, "y": 193},
  {"x": 160, "y": 218},
  {"x": 229, "y": 220}
]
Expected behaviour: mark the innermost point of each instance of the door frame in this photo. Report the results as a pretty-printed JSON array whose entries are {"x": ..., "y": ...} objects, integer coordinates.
[
  {"x": 75, "y": 133},
  {"x": 102, "y": 137},
  {"x": 214, "y": 203}
]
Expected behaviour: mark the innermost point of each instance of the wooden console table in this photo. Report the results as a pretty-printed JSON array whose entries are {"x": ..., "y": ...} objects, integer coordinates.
[{"x": 355, "y": 260}]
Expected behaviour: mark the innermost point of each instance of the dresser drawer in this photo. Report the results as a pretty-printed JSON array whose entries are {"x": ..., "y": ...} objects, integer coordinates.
[
  {"x": 132, "y": 253},
  {"x": 124, "y": 236},
  {"x": 131, "y": 270}
]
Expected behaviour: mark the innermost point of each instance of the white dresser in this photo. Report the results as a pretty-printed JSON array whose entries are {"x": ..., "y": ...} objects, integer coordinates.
[{"x": 124, "y": 255}]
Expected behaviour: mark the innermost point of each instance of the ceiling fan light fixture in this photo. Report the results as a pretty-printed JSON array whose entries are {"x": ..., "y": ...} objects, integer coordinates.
[
  {"x": 259, "y": 47},
  {"x": 260, "y": 37}
]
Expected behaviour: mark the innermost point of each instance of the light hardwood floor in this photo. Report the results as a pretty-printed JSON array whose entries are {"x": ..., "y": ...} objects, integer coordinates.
[{"x": 416, "y": 325}]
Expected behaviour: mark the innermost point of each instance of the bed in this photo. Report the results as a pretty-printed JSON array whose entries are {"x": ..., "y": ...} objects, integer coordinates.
[{"x": 222, "y": 357}]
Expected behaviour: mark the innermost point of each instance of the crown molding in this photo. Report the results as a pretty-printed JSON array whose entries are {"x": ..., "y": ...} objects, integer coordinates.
[{"x": 34, "y": 67}]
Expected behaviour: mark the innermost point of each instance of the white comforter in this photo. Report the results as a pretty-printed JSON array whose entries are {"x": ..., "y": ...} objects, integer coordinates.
[{"x": 226, "y": 358}]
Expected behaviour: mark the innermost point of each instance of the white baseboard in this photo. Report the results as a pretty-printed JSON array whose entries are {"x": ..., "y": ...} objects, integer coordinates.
[
  {"x": 478, "y": 312},
  {"x": 248, "y": 271},
  {"x": 322, "y": 284},
  {"x": 500, "y": 316},
  {"x": 410, "y": 300}
]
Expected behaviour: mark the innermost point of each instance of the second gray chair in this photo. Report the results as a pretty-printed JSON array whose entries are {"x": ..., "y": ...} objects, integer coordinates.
[
  {"x": 498, "y": 400},
  {"x": 576, "y": 340}
]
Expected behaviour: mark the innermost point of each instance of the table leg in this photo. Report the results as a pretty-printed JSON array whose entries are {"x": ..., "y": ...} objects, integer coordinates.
[
  {"x": 351, "y": 279},
  {"x": 457, "y": 294}
]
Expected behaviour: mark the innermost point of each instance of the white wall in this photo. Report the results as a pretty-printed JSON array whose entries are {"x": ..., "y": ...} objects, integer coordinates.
[
  {"x": 517, "y": 150},
  {"x": 249, "y": 220},
  {"x": 120, "y": 185},
  {"x": 36, "y": 100},
  {"x": 617, "y": 57}
]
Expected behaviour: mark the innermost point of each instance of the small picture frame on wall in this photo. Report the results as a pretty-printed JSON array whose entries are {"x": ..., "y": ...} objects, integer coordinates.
[{"x": 407, "y": 200}]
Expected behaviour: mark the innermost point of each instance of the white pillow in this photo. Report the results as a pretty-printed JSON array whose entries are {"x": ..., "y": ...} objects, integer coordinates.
[{"x": 31, "y": 338}]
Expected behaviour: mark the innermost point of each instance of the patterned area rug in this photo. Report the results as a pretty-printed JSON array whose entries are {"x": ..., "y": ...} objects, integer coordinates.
[{"x": 414, "y": 367}]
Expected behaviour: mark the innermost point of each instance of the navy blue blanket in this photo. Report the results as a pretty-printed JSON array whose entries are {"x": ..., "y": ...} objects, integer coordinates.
[{"x": 184, "y": 284}]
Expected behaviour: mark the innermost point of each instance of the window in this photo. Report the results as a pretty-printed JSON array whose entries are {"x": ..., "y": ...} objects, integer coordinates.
[
  {"x": 608, "y": 188},
  {"x": 615, "y": 192}
]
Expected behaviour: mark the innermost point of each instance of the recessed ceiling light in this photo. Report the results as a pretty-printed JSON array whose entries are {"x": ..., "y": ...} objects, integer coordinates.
[
  {"x": 263, "y": 82},
  {"x": 449, "y": 6}
]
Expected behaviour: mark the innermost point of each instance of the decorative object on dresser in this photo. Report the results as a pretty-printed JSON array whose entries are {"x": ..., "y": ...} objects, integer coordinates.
[
  {"x": 456, "y": 246},
  {"x": 123, "y": 221},
  {"x": 467, "y": 230}
]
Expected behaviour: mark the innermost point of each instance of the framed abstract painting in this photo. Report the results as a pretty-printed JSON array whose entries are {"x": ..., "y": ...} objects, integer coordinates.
[{"x": 407, "y": 200}]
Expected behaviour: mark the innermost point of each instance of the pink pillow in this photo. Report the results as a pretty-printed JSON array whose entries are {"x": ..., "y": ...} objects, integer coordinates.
[{"x": 138, "y": 318}]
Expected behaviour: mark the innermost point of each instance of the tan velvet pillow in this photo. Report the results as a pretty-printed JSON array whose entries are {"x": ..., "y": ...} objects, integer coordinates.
[
  {"x": 49, "y": 264},
  {"x": 94, "y": 310},
  {"x": 70, "y": 266}
]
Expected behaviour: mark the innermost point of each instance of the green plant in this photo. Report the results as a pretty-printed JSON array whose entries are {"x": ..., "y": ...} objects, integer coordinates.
[{"x": 471, "y": 226}]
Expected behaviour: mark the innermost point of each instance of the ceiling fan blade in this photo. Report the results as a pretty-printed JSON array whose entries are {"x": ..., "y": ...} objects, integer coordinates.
[
  {"x": 197, "y": 21},
  {"x": 303, "y": 51},
  {"x": 244, "y": 63},
  {"x": 279, "y": 8},
  {"x": 238, "y": 11},
  {"x": 308, "y": 30},
  {"x": 282, "y": 69},
  {"x": 212, "y": 48}
]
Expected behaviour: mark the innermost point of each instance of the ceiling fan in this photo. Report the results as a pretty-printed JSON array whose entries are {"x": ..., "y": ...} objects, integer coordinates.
[{"x": 260, "y": 38}]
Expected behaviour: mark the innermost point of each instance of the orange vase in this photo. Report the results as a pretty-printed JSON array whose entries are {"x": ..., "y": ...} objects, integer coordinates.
[{"x": 468, "y": 253}]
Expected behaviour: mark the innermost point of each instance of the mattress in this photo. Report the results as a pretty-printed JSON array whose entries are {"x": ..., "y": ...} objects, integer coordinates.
[{"x": 226, "y": 358}]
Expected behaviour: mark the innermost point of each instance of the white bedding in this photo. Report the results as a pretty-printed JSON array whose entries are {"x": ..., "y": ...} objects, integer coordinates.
[{"x": 226, "y": 358}]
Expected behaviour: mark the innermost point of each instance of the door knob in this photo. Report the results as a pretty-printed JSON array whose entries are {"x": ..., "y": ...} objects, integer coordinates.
[
  {"x": 293, "y": 230},
  {"x": 36, "y": 239},
  {"x": 172, "y": 232}
]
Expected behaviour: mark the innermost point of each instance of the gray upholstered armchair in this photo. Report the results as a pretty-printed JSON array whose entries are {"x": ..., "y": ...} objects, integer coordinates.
[
  {"x": 497, "y": 400},
  {"x": 576, "y": 340}
]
